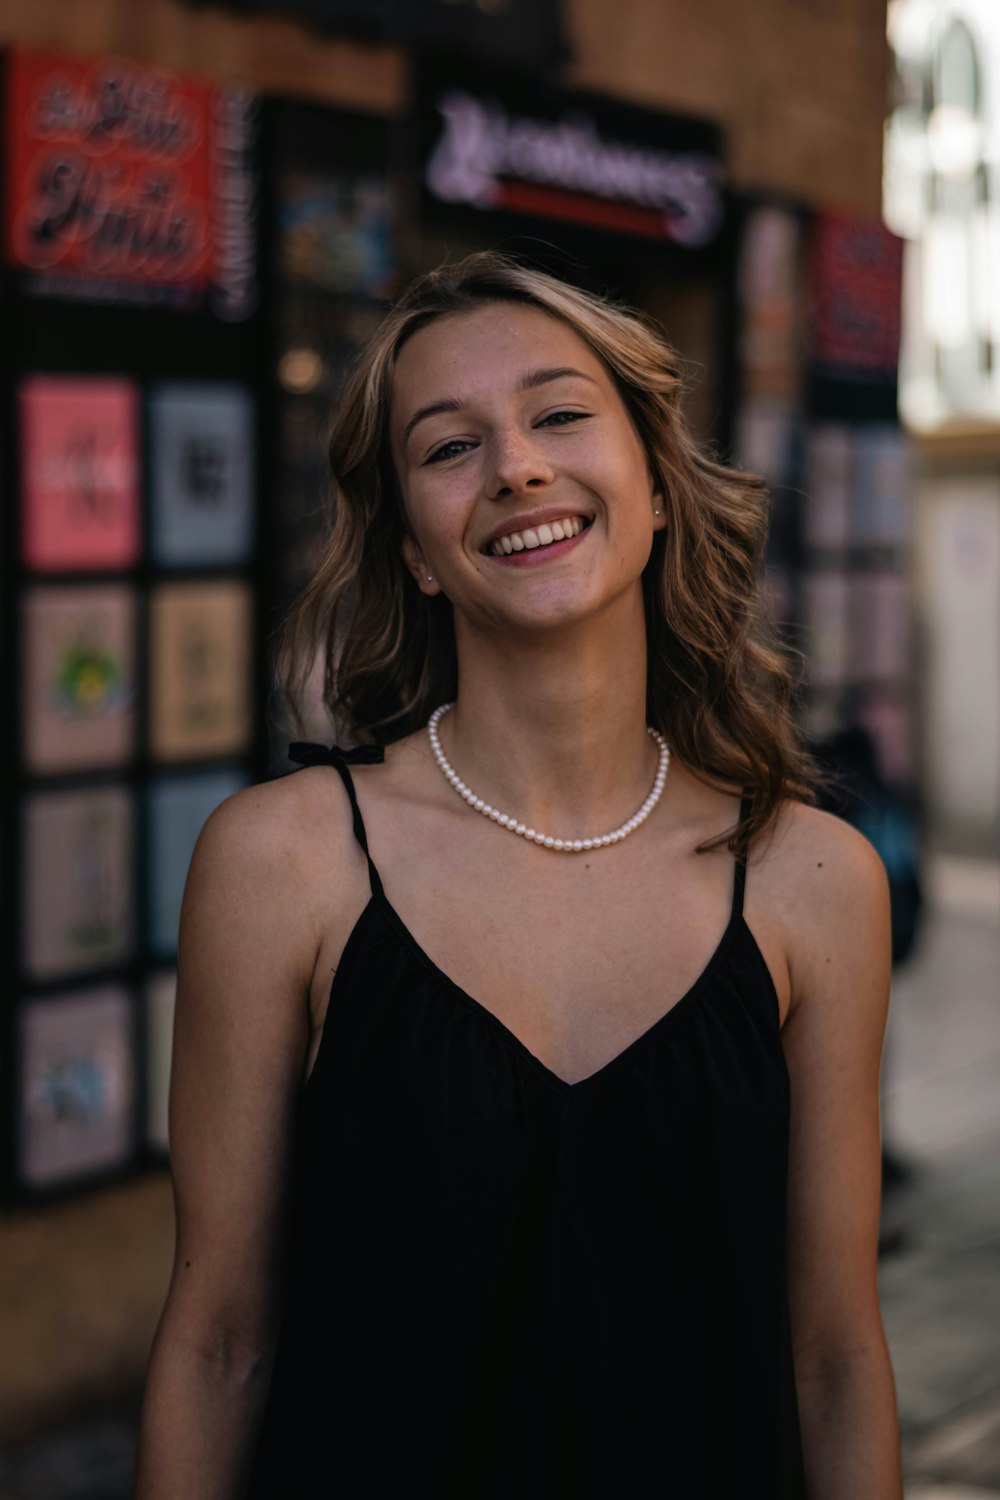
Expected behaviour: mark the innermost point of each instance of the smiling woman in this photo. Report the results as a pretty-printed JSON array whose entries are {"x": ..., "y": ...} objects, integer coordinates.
[
  {"x": 524, "y": 1106},
  {"x": 715, "y": 680}
]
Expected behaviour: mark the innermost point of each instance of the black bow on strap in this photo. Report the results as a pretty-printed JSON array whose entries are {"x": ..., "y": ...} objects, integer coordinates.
[{"x": 307, "y": 753}]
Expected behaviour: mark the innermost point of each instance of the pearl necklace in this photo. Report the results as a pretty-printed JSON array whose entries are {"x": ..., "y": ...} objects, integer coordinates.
[{"x": 567, "y": 846}]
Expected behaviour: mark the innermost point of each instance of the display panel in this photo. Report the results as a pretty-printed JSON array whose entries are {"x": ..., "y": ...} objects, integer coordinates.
[
  {"x": 882, "y": 619},
  {"x": 77, "y": 1085},
  {"x": 829, "y": 484},
  {"x": 178, "y": 808},
  {"x": 885, "y": 483},
  {"x": 201, "y": 473},
  {"x": 161, "y": 993},
  {"x": 78, "y": 679},
  {"x": 200, "y": 669},
  {"x": 335, "y": 232},
  {"x": 827, "y": 617},
  {"x": 79, "y": 473},
  {"x": 79, "y": 912}
]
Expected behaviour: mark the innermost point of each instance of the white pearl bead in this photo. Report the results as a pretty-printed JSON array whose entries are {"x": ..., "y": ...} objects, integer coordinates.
[
  {"x": 529, "y": 833},
  {"x": 519, "y": 828},
  {"x": 577, "y": 844},
  {"x": 556, "y": 843}
]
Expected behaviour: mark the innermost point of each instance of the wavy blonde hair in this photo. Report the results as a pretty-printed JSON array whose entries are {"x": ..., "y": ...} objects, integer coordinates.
[{"x": 718, "y": 686}]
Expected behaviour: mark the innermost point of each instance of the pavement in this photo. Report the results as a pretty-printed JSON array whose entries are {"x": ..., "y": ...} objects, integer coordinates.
[
  {"x": 939, "y": 1277},
  {"x": 940, "y": 1286}
]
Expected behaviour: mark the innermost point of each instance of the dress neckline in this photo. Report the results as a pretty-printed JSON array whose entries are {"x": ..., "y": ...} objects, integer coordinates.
[{"x": 675, "y": 1014}]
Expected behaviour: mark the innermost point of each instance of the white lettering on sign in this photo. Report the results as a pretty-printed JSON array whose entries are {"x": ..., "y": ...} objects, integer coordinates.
[{"x": 482, "y": 144}]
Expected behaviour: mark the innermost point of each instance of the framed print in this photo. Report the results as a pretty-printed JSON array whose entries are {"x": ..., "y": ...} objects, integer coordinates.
[
  {"x": 79, "y": 867},
  {"x": 79, "y": 473},
  {"x": 76, "y": 1085},
  {"x": 201, "y": 473},
  {"x": 827, "y": 618},
  {"x": 178, "y": 807},
  {"x": 885, "y": 484},
  {"x": 78, "y": 679},
  {"x": 829, "y": 486},
  {"x": 335, "y": 231},
  {"x": 161, "y": 993},
  {"x": 200, "y": 669},
  {"x": 882, "y": 627}
]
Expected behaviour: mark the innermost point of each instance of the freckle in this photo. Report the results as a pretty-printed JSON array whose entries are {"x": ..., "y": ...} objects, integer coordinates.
[
  {"x": 819, "y": 865},
  {"x": 187, "y": 1262}
]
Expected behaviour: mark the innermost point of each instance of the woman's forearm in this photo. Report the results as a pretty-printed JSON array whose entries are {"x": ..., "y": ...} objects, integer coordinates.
[
  {"x": 850, "y": 1426},
  {"x": 200, "y": 1417}
]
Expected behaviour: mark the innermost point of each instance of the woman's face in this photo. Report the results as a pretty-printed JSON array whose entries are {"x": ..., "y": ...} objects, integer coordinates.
[{"x": 507, "y": 429}]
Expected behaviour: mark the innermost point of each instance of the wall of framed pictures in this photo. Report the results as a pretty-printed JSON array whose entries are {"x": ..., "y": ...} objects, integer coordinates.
[
  {"x": 131, "y": 585},
  {"x": 819, "y": 299}
]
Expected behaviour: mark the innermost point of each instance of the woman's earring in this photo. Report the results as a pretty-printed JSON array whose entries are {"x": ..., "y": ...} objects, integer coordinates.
[
  {"x": 656, "y": 512},
  {"x": 430, "y": 578}
]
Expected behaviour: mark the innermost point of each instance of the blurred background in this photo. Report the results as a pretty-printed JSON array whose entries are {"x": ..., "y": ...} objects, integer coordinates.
[{"x": 205, "y": 208}]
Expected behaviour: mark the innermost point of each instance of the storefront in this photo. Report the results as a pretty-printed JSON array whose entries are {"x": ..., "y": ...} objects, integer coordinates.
[{"x": 188, "y": 269}]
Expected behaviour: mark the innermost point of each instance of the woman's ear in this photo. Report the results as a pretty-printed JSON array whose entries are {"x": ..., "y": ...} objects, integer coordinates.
[
  {"x": 658, "y": 504},
  {"x": 417, "y": 564}
]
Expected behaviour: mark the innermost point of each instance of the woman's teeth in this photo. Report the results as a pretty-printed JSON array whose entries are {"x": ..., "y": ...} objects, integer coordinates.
[{"x": 537, "y": 536}]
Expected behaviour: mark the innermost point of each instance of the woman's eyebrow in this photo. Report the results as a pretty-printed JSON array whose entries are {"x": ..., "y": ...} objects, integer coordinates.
[{"x": 528, "y": 382}]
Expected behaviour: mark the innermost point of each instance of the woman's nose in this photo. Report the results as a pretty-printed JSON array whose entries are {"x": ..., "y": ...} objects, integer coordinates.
[{"x": 518, "y": 464}]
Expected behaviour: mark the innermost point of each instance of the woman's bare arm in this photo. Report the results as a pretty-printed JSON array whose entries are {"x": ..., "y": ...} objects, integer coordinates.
[
  {"x": 837, "y": 915},
  {"x": 248, "y": 943}
]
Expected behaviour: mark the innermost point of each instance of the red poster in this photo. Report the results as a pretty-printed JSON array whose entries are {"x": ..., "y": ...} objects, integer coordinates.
[
  {"x": 856, "y": 269},
  {"x": 109, "y": 174}
]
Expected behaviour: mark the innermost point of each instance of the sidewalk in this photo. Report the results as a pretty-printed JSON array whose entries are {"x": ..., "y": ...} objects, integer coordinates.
[{"x": 941, "y": 1113}]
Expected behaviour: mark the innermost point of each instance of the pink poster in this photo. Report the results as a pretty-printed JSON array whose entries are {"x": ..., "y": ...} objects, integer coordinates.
[{"x": 79, "y": 473}]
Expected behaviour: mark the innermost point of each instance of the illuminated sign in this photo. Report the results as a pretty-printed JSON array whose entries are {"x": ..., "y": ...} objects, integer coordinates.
[{"x": 584, "y": 162}]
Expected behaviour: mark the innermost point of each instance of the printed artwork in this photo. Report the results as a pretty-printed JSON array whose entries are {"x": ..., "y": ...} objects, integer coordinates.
[
  {"x": 161, "y": 992},
  {"x": 829, "y": 486},
  {"x": 827, "y": 618},
  {"x": 79, "y": 881},
  {"x": 335, "y": 232},
  {"x": 885, "y": 483},
  {"x": 770, "y": 294},
  {"x": 201, "y": 473},
  {"x": 177, "y": 810},
  {"x": 855, "y": 276},
  {"x": 765, "y": 433},
  {"x": 77, "y": 1085},
  {"x": 200, "y": 669},
  {"x": 109, "y": 175},
  {"x": 79, "y": 677},
  {"x": 80, "y": 473},
  {"x": 882, "y": 626}
]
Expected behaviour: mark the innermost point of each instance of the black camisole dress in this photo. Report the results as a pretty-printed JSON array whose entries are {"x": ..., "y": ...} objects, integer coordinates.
[{"x": 504, "y": 1286}]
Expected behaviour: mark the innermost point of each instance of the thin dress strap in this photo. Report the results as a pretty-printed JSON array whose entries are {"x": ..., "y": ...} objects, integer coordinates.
[
  {"x": 305, "y": 753},
  {"x": 740, "y": 872}
]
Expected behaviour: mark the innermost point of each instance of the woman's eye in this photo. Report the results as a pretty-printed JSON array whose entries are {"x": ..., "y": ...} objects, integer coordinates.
[
  {"x": 562, "y": 418},
  {"x": 449, "y": 450}
]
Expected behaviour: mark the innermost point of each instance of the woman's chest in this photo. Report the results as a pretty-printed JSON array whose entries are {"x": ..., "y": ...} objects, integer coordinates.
[{"x": 576, "y": 962}]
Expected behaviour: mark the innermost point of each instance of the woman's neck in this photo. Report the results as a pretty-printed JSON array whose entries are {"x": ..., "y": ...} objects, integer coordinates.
[{"x": 554, "y": 730}]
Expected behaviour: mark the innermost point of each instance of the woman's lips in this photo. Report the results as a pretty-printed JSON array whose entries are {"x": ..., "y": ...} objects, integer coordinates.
[{"x": 530, "y": 557}]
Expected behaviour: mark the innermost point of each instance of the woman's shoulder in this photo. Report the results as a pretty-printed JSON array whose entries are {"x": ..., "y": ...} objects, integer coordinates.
[
  {"x": 274, "y": 834},
  {"x": 822, "y": 880}
]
